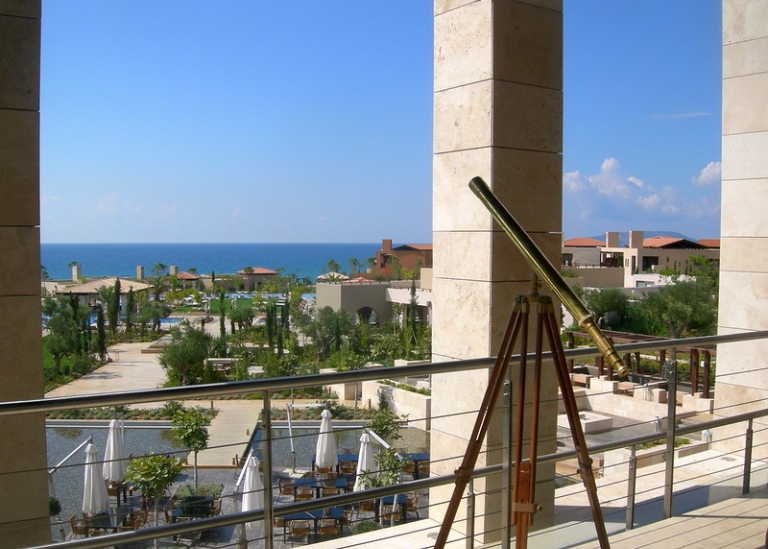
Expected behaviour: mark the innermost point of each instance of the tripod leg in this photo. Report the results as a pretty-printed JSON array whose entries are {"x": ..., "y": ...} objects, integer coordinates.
[
  {"x": 495, "y": 384},
  {"x": 572, "y": 412}
]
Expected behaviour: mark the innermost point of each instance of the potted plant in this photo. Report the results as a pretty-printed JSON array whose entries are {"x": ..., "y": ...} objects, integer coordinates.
[
  {"x": 153, "y": 475},
  {"x": 54, "y": 506},
  {"x": 190, "y": 426}
]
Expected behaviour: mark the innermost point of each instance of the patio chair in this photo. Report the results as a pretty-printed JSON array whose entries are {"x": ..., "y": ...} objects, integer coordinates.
[
  {"x": 193, "y": 537},
  {"x": 367, "y": 506},
  {"x": 168, "y": 515},
  {"x": 347, "y": 517},
  {"x": 412, "y": 503},
  {"x": 347, "y": 467},
  {"x": 128, "y": 525},
  {"x": 424, "y": 468},
  {"x": 286, "y": 487},
  {"x": 326, "y": 491},
  {"x": 304, "y": 493},
  {"x": 281, "y": 524},
  {"x": 389, "y": 516},
  {"x": 299, "y": 529},
  {"x": 215, "y": 509},
  {"x": 112, "y": 489},
  {"x": 78, "y": 527},
  {"x": 327, "y": 528}
]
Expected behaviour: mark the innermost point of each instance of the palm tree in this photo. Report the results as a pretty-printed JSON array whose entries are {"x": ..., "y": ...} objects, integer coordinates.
[
  {"x": 107, "y": 297},
  {"x": 354, "y": 266}
]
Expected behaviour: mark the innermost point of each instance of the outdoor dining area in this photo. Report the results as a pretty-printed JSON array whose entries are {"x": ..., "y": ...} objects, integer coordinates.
[
  {"x": 103, "y": 484},
  {"x": 111, "y": 504},
  {"x": 333, "y": 473}
]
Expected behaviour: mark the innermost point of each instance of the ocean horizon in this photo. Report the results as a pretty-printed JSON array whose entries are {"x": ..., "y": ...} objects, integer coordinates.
[{"x": 301, "y": 260}]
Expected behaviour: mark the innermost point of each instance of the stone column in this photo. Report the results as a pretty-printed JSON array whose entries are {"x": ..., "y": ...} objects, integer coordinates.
[
  {"x": 741, "y": 384},
  {"x": 497, "y": 114},
  {"x": 23, "y": 477}
]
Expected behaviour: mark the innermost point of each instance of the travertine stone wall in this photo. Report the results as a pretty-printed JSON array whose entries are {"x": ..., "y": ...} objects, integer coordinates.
[
  {"x": 23, "y": 477},
  {"x": 498, "y": 115},
  {"x": 742, "y": 382}
]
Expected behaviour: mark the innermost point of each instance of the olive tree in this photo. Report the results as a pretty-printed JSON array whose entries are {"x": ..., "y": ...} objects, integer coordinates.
[{"x": 184, "y": 357}]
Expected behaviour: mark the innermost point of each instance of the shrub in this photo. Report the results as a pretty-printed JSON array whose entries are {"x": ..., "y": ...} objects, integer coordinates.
[{"x": 365, "y": 526}]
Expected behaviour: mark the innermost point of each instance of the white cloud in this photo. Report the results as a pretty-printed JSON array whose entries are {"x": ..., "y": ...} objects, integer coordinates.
[
  {"x": 709, "y": 174},
  {"x": 650, "y": 202},
  {"x": 670, "y": 201},
  {"x": 573, "y": 181},
  {"x": 610, "y": 182},
  {"x": 614, "y": 200}
]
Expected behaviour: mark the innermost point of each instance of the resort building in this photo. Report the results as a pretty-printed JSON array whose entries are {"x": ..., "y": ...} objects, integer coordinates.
[
  {"x": 407, "y": 257},
  {"x": 371, "y": 301},
  {"x": 88, "y": 292},
  {"x": 640, "y": 263},
  {"x": 253, "y": 277},
  {"x": 498, "y": 114}
]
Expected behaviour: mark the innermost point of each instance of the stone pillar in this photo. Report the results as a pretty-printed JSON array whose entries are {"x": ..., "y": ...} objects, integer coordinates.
[
  {"x": 741, "y": 384},
  {"x": 139, "y": 272},
  {"x": 497, "y": 114},
  {"x": 23, "y": 477}
]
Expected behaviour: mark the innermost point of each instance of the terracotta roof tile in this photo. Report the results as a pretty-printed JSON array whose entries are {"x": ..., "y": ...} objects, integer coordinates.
[
  {"x": 583, "y": 243},
  {"x": 258, "y": 271},
  {"x": 710, "y": 242}
]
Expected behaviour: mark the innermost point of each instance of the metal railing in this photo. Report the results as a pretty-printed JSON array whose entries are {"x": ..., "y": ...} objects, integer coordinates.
[{"x": 269, "y": 386}]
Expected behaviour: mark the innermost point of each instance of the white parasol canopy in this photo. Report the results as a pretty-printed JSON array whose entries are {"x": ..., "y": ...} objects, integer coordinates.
[
  {"x": 365, "y": 461},
  {"x": 253, "y": 497},
  {"x": 114, "y": 455},
  {"x": 95, "y": 498},
  {"x": 326, "y": 454}
]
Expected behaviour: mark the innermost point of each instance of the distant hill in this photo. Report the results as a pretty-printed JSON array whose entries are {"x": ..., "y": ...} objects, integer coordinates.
[{"x": 624, "y": 237}]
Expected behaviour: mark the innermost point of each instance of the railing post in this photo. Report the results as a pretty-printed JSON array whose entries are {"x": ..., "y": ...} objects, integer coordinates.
[
  {"x": 469, "y": 542},
  {"x": 508, "y": 463},
  {"x": 631, "y": 482},
  {"x": 269, "y": 522},
  {"x": 747, "y": 459},
  {"x": 669, "y": 456}
]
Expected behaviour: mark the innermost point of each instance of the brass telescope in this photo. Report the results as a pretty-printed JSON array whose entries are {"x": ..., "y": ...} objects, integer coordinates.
[{"x": 546, "y": 271}]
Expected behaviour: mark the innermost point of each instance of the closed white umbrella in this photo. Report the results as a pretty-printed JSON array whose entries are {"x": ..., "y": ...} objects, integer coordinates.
[
  {"x": 326, "y": 455},
  {"x": 95, "y": 498},
  {"x": 253, "y": 497},
  {"x": 114, "y": 455},
  {"x": 365, "y": 462}
]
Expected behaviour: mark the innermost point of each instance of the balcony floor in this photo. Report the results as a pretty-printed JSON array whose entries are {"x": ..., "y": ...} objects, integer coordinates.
[{"x": 737, "y": 522}]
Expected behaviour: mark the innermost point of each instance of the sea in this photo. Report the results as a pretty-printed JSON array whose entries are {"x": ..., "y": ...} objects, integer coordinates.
[{"x": 302, "y": 260}]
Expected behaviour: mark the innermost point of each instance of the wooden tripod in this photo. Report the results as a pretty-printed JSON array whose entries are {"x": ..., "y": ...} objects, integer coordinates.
[{"x": 523, "y": 505}]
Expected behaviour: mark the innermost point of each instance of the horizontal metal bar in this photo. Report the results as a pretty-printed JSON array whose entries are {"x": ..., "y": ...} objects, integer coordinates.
[{"x": 314, "y": 380}]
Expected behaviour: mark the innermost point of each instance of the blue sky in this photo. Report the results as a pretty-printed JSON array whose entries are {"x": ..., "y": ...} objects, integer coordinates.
[{"x": 305, "y": 121}]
